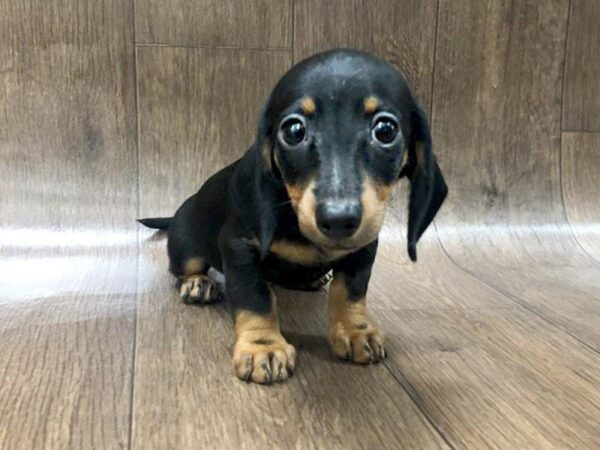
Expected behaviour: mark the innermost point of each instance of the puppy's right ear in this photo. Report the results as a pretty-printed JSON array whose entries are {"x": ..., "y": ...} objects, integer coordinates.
[
  {"x": 264, "y": 141},
  {"x": 266, "y": 180}
]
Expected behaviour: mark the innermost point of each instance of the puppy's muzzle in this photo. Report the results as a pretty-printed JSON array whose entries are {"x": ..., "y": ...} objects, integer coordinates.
[{"x": 339, "y": 219}]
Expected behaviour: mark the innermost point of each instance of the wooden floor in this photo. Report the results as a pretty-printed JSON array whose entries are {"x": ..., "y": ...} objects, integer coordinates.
[{"x": 111, "y": 110}]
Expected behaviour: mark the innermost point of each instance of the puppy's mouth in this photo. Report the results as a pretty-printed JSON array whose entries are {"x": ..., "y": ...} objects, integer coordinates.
[{"x": 337, "y": 246}]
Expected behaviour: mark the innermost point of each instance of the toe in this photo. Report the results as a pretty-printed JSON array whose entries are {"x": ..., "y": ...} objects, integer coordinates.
[
  {"x": 376, "y": 344},
  {"x": 279, "y": 365},
  {"x": 262, "y": 372},
  {"x": 340, "y": 342},
  {"x": 290, "y": 354},
  {"x": 184, "y": 290},
  {"x": 362, "y": 352},
  {"x": 195, "y": 290},
  {"x": 243, "y": 365}
]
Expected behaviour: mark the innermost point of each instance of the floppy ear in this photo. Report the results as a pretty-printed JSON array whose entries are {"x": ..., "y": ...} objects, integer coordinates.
[
  {"x": 428, "y": 188},
  {"x": 266, "y": 179}
]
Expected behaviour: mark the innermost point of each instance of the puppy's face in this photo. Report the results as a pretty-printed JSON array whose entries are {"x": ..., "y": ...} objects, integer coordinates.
[{"x": 338, "y": 132}]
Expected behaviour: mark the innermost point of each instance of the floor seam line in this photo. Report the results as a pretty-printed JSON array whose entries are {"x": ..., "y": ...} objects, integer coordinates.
[{"x": 418, "y": 405}]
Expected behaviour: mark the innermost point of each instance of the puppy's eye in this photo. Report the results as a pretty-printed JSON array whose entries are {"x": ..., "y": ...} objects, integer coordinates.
[
  {"x": 292, "y": 130},
  {"x": 385, "y": 129}
]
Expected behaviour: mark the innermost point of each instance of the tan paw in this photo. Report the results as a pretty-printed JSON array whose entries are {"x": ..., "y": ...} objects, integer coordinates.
[
  {"x": 361, "y": 343},
  {"x": 200, "y": 289},
  {"x": 263, "y": 358}
]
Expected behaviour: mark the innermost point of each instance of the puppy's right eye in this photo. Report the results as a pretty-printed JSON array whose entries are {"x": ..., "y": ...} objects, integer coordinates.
[{"x": 292, "y": 131}]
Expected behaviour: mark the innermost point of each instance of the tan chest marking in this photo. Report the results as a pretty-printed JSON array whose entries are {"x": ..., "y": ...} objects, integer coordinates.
[{"x": 305, "y": 254}]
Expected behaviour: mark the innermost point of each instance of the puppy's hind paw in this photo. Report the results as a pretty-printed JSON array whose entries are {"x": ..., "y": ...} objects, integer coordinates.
[{"x": 200, "y": 289}]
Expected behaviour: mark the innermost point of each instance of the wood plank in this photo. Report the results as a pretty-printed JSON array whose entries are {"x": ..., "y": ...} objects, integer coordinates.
[
  {"x": 401, "y": 31},
  {"x": 582, "y": 72},
  {"x": 497, "y": 379},
  {"x": 197, "y": 114},
  {"x": 67, "y": 235},
  {"x": 581, "y": 187},
  {"x": 186, "y": 394},
  {"x": 247, "y": 23},
  {"x": 496, "y": 120}
]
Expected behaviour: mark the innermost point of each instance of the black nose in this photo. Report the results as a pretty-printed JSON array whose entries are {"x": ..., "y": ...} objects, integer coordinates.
[{"x": 338, "y": 219}]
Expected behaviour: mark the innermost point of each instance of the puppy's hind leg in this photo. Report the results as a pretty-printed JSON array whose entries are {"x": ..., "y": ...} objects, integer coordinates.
[{"x": 195, "y": 285}]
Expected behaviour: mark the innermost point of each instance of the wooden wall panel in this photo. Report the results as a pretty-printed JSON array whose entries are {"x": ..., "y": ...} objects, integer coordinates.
[
  {"x": 401, "y": 31},
  {"x": 67, "y": 229},
  {"x": 581, "y": 108},
  {"x": 581, "y": 187},
  {"x": 497, "y": 103},
  {"x": 198, "y": 112},
  {"x": 245, "y": 23}
]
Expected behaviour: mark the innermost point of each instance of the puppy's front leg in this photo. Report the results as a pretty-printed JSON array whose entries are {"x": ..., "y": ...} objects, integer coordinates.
[
  {"x": 261, "y": 354},
  {"x": 351, "y": 332}
]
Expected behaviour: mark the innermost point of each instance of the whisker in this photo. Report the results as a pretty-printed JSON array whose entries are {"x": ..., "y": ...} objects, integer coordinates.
[{"x": 277, "y": 205}]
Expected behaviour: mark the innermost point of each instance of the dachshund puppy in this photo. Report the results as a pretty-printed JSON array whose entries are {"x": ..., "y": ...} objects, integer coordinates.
[{"x": 336, "y": 134}]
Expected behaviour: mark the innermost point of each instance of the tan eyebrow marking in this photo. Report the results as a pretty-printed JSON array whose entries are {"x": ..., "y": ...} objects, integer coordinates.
[
  {"x": 308, "y": 105},
  {"x": 371, "y": 103}
]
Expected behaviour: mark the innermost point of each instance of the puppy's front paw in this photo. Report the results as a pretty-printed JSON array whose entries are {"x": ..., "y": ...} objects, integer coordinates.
[
  {"x": 200, "y": 289},
  {"x": 360, "y": 342},
  {"x": 263, "y": 358}
]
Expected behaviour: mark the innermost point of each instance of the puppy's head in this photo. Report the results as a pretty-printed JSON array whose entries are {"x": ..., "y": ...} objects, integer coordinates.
[{"x": 340, "y": 129}]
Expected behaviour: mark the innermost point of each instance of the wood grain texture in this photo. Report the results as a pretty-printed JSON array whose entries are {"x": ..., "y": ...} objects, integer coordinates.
[
  {"x": 199, "y": 111},
  {"x": 496, "y": 120},
  {"x": 497, "y": 378},
  {"x": 67, "y": 235},
  {"x": 401, "y": 31},
  {"x": 581, "y": 87},
  {"x": 580, "y": 166},
  {"x": 247, "y": 23}
]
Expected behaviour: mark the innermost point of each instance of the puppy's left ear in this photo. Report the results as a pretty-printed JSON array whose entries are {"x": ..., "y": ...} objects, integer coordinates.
[{"x": 428, "y": 188}]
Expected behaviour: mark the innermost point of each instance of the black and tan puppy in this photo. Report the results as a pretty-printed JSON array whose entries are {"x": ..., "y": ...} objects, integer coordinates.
[{"x": 335, "y": 136}]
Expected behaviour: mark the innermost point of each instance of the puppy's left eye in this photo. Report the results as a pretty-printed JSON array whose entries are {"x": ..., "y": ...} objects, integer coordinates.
[
  {"x": 385, "y": 129},
  {"x": 292, "y": 130}
]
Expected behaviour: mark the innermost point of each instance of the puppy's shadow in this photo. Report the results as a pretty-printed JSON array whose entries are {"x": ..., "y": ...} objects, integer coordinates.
[{"x": 303, "y": 317}]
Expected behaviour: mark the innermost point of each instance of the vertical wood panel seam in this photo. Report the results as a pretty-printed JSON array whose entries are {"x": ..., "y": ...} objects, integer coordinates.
[
  {"x": 293, "y": 40},
  {"x": 564, "y": 77},
  {"x": 137, "y": 212},
  {"x": 433, "y": 65}
]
